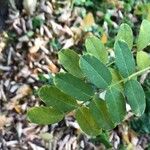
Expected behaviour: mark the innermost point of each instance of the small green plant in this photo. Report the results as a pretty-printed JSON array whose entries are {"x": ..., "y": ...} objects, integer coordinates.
[
  {"x": 96, "y": 89},
  {"x": 37, "y": 22}
]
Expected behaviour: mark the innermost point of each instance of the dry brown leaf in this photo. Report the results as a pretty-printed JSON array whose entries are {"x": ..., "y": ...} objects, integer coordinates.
[
  {"x": 126, "y": 138},
  {"x": 77, "y": 34},
  {"x": 53, "y": 68},
  {"x": 3, "y": 42},
  {"x": 72, "y": 113},
  {"x": 23, "y": 91},
  {"x": 88, "y": 21},
  {"x": 2, "y": 45},
  {"x": 33, "y": 49},
  {"x": 3, "y": 121},
  {"x": 38, "y": 43},
  {"x": 18, "y": 109},
  {"x": 116, "y": 3},
  {"x": 104, "y": 38},
  {"x": 68, "y": 30}
]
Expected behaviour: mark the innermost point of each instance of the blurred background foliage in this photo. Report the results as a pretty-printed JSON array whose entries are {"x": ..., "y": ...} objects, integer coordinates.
[{"x": 113, "y": 13}]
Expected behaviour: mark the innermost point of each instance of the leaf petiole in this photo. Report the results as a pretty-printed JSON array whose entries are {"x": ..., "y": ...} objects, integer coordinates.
[{"x": 131, "y": 76}]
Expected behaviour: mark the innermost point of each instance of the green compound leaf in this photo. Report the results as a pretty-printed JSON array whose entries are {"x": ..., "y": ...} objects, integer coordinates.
[
  {"x": 73, "y": 86},
  {"x": 135, "y": 96},
  {"x": 95, "y": 71},
  {"x": 125, "y": 33},
  {"x": 87, "y": 122},
  {"x": 100, "y": 113},
  {"x": 44, "y": 115},
  {"x": 52, "y": 96},
  {"x": 144, "y": 35},
  {"x": 116, "y": 105},
  {"x": 95, "y": 47},
  {"x": 124, "y": 59},
  {"x": 143, "y": 60},
  {"x": 70, "y": 61}
]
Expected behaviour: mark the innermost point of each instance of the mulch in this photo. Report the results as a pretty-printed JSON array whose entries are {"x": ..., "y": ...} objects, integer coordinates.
[{"x": 26, "y": 53}]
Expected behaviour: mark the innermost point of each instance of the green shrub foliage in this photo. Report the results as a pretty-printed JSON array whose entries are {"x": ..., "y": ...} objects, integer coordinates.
[{"x": 96, "y": 89}]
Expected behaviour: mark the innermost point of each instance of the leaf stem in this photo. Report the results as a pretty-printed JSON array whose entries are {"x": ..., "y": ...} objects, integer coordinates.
[
  {"x": 109, "y": 64},
  {"x": 138, "y": 73},
  {"x": 131, "y": 76}
]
